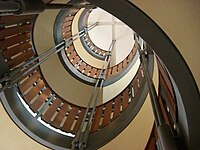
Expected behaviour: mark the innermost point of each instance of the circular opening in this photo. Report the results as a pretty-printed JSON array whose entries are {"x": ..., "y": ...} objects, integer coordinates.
[{"x": 110, "y": 29}]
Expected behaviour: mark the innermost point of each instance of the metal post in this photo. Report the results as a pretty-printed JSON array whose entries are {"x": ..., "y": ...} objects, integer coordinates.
[
  {"x": 80, "y": 140},
  {"x": 159, "y": 119},
  {"x": 51, "y": 99},
  {"x": 166, "y": 138},
  {"x": 91, "y": 27},
  {"x": 23, "y": 73},
  {"x": 15, "y": 75}
]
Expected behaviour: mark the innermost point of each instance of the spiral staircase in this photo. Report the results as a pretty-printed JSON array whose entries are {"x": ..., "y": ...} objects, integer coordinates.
[{"x": 82, "y": 98}]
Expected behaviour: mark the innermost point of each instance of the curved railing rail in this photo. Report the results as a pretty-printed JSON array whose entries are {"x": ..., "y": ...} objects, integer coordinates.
[
  {"x": 93, "y": 47},
  {"x": 66, "y": 116},
  {"x": 93, "y": 72},
  {"x": 86, "y": 41},
  {"x": 79, "y": 64}
]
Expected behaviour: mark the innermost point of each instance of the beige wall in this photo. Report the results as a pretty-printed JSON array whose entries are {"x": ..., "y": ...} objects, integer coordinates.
[
  {"x": 180, "y": 19},
  {"x": 117, "y": 87},
  {"x": 55, "y": 74},
  {"x": 135, "y": 136},
  {"x": 12, "y": 138}
]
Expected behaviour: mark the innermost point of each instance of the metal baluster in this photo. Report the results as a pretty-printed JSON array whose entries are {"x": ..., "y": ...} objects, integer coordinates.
[
  {"x": 165, "y": 136},
  {"x": 15, "y": 75},
  {"x": 81, "y": 137},
  {"x": 50, "y": 100}
]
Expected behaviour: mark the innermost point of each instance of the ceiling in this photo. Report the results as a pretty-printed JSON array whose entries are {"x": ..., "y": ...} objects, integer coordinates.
[{"x": 110, "y": 29}]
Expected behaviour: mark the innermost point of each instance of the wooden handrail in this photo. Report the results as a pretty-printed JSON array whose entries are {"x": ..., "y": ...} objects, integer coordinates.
[{"x": 15, "y": 40}]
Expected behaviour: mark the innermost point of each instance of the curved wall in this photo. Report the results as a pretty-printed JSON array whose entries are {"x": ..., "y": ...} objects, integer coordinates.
[
  {"x": 59, "y": 79},
  {"x": 79, "y": 47},
  {"x": 12, "y": 137},
  {"x": 181, "y": 22},
  {"x": 55, "y": 74}
]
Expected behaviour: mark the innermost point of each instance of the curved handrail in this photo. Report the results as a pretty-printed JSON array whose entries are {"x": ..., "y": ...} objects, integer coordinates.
[
  {"x": 36, "y": 94},
  {"x": 86, "y": 41},
  {"x": 93, "y": 72},
  {"x": 79, "y": 64}
]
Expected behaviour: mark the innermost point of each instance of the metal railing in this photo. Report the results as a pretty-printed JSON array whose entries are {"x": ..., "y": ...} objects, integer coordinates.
[
  {"x": 80, "y": 140},
  {"x": 16, "y": 74},
  {"x": 165, "y": 137}
]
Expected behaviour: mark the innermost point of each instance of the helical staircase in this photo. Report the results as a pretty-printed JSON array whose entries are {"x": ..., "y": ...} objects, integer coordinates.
[{"x": 59, "y": 123}]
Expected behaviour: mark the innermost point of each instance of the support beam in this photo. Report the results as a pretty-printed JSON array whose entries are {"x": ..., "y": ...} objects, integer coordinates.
[
  {"x": 165, "y": 138},
  {"x": 81, "y": 138},
  {"x": 15, "y": 75}
]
